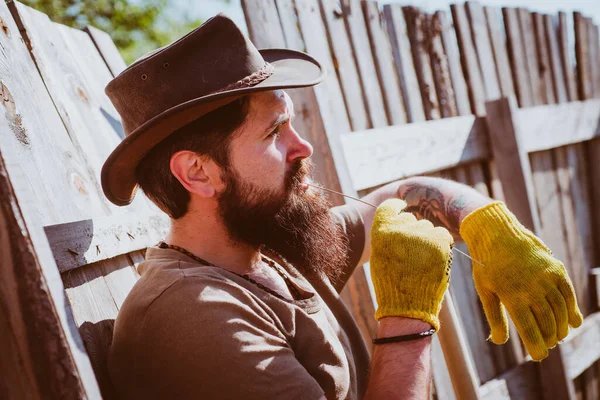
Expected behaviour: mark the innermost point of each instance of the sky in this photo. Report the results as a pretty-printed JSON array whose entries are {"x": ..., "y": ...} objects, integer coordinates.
[{"x": 207, "y": 8}]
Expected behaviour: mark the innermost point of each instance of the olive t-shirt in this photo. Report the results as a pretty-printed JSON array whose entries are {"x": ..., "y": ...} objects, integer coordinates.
[{"x": 189, "y": 331}]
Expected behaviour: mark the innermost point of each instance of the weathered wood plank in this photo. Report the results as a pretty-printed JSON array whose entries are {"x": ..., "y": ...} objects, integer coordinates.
[
  {"x": 558, "y": 77},
  {"x": 463, "y": 106},
  {"x": 84, "y": 242},
  {"x": 563, "y": 42},
  {"x": 483, "y": 47},
  {"x": 594, "y": 70},
  {"x": 460, "y": 367},
  {"x": 512, "y": 160},
  {"x": 469, "y": 307},
  {"x": 516, "y": 53},
  {"x": 440, "y": 67},
  {"x": 551, "y": 126},
  {"x": 498, "y": 42},
  {"x": 469, "y": 59},
  {"x": 95, "y": 311},
  {"x": 108, "y": 50},
  {"x": 584, "y": 83},
  {"x": 530, "y": 54},
  {"x": 582, "y": 347},
  {"x": 513, "y": 163},
  {"x": 418, "y": 28},
  {"x": 403, "y": 58},
  {"x": 90, "y": 119},
  {"x": 36, "y": 357},
  {"x": 345, "y": 67},
  {"x": 357, "y": 30},
  {"x": 384, "y": 62},
  {"x": 386, "y": 154},
  {"x": 544, "y": 64},
  {"x": 46, "y": 191},
  {"x": 441, "y": 377},
  {"x": 519, "y": 383}
]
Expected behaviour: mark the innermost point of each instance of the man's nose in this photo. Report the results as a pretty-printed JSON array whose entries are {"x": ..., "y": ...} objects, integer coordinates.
[{"x": 299, "y": 148}]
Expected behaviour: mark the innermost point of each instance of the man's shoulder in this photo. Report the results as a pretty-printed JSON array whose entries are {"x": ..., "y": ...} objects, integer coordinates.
[{"x": 179, "y": 281}]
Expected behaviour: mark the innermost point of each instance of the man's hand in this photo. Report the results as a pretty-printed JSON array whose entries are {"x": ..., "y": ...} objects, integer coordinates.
[
  {"x": 410, "y": 264},
  {"x": 521, "y": 274}
]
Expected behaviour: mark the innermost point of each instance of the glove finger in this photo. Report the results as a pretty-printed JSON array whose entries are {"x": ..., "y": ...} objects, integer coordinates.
[
  {"x": 561, "y": 315},
  {"x": 530, "y": 333},
  {"x": 389, "y": 210},
  {"x": 566, "y": 288},
  {"x": 496, "y": 316},
  {"x": 546, "y": 322}
]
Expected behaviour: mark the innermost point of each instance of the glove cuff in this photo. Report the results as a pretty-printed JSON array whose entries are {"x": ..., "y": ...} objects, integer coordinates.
[
  {"x": 484, "y": 226},
  {"x": 392, "y": 302}
]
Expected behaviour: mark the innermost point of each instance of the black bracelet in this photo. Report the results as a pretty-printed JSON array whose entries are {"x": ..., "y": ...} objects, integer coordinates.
[{"x": 404, "y": 338}]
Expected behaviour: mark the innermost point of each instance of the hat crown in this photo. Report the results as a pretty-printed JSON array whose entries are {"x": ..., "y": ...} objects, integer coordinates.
[{"x": 208, "y": 59}]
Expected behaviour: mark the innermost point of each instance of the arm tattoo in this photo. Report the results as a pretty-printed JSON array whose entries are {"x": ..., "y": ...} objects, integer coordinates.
[{"x": 436, "y": 202}]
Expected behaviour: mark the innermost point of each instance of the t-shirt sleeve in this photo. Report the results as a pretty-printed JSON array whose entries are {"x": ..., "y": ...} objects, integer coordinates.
[
  {"x": 213, "y": 340},
  {"x": 353, "y": 227}
]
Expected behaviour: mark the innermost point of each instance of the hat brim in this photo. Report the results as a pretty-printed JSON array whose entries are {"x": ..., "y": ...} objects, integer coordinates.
[{"x": 293, "y": 69}]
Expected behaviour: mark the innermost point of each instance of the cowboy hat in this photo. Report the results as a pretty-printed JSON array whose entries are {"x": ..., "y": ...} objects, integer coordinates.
[{"x": 170, "y": 87}]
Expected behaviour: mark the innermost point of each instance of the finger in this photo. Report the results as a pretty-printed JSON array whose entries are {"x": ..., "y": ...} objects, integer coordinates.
[
  {"x": 530, "y": 333},
  {"x": 544, "y": 317},
  {"x": 566, "y": 288},
  {"x": 443, "y": 234},
  {"x": 390, "y": 209},
  {"x": 496, "y": 316},
  {"x": 561, "y": 315}
]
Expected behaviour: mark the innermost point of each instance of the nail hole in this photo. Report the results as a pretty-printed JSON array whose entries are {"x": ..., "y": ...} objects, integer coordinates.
[
  {"x": 144, "y": 77},
  {"x": 166, "y": 65}
]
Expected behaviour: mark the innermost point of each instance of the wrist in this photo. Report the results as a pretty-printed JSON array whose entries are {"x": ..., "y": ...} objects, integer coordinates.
[{"x": 395, "y": 326}]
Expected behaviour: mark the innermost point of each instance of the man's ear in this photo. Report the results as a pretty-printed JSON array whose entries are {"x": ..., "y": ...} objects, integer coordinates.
[{"x": 199, "y": 174}]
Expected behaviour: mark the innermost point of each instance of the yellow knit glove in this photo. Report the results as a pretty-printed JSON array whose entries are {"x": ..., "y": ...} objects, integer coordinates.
[
  {"x": 410, "y": 264},
  {"x": 521, "y": 274}
]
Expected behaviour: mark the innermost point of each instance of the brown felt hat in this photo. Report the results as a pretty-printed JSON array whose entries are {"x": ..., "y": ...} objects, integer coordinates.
[{"x": 168, "y": 88}]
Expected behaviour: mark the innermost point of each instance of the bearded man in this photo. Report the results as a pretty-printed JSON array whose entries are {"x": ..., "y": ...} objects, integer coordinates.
[{"x": 241, "y": 299}]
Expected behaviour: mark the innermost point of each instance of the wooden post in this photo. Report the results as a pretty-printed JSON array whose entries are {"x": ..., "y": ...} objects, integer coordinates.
[
  {"x": 37, "y": 361},
  {"x": 515, "y": 174},
  {"x": 460, "y": 367}
]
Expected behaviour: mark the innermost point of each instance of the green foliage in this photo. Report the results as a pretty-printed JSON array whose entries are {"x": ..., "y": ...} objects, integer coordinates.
[{"x": 135, "y": 27}]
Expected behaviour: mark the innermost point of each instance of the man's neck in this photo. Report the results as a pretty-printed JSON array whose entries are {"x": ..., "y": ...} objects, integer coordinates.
[{"x": 206, "y": 237}]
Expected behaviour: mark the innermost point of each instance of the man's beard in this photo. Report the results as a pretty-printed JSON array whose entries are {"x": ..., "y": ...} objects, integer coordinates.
[{"x": 296, "y": 224}]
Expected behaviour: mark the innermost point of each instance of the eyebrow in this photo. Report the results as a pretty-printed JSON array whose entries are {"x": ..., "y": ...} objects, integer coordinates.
[{"x": 281, "y": 120}]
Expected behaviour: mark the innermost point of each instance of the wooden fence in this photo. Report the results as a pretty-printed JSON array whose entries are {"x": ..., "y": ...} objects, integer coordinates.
[{"x": 407, "y": 94}]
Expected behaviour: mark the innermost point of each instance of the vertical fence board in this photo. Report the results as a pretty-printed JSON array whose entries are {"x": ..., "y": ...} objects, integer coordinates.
[
  {"x": 558, "y": 76},
  {"x": 357, "y": 30},
  {"x": 500, "y": 52},
  {"x": 469, "y": 59},
  {"x": 382, "y": 53},
  {"x": 516, "y": 53},
  {"x": 530, "y": 53},
  {"x": 463, "y": 106},
  {"x": 417, "y": 28},
  {"x": 544, "y": 68},
  {"x": 483, "y": 47},
  {"x": 403, "y": 58},
  {"x": 347, "y": 72},
  {"x": 514, "y": 167}
]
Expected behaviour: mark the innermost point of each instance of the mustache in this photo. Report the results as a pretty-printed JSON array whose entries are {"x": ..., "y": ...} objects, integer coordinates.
[{"x": 297, "y": 172}]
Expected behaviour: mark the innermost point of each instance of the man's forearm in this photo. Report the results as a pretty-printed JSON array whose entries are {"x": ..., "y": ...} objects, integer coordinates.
[
  {"x": 443, "y": 202},
  {"x": 401, "y": 370}
]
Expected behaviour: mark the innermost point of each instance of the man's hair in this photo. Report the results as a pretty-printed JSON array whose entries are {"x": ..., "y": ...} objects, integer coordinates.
[{"x": 209, "y": 135}]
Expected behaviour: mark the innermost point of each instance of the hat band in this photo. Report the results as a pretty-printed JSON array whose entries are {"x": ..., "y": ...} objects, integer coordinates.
[{"x": 251, "y": 80}]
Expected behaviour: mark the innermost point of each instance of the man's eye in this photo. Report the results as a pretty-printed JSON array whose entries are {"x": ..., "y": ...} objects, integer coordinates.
[{"x": 275, "y": 132}]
